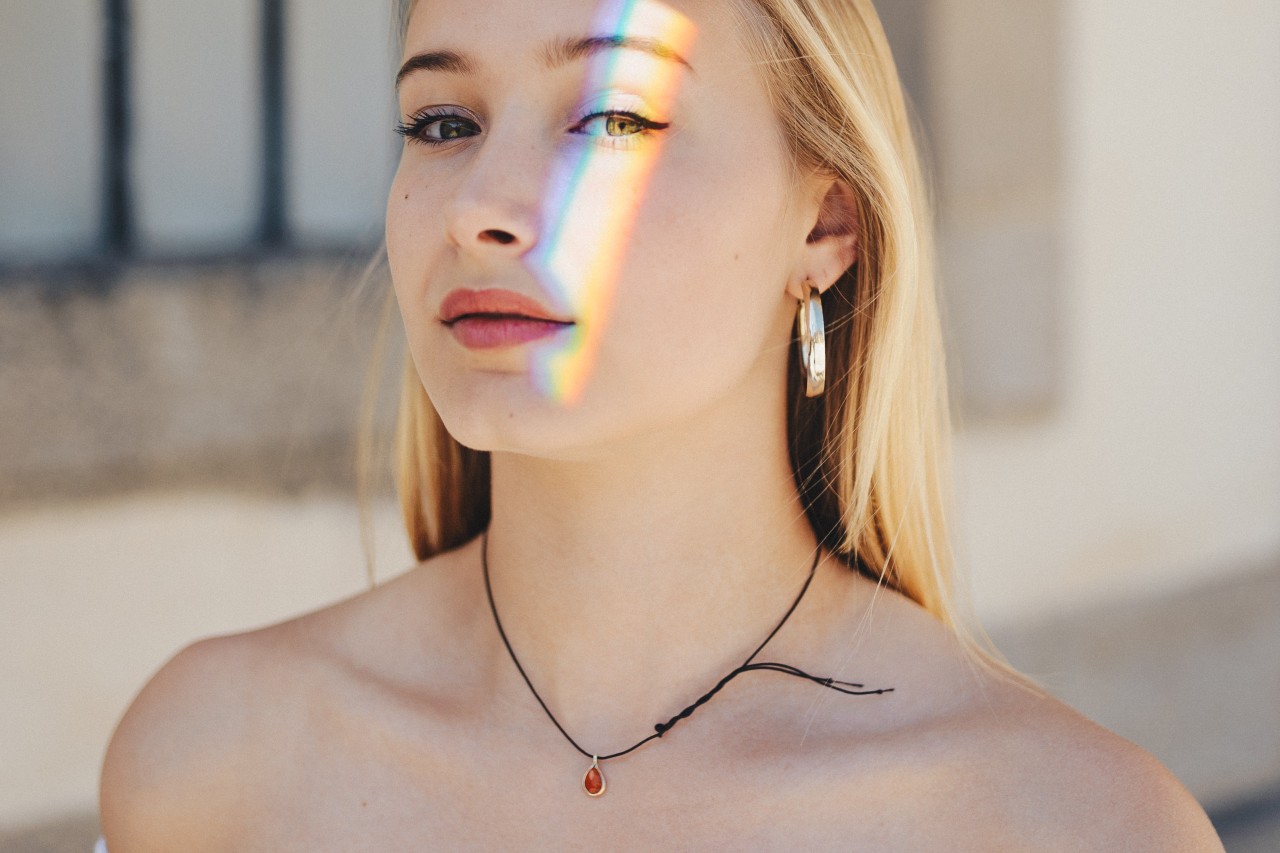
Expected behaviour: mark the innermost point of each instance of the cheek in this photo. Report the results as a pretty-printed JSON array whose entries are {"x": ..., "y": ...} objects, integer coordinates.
[
  {"x": 414, "y": 234},
  {"x": 401, "y": 219},
  {"x": 701, "y": 276}
]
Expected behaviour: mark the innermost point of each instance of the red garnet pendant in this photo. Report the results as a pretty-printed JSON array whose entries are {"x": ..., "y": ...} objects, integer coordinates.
[{"x": 593, "y": 779}]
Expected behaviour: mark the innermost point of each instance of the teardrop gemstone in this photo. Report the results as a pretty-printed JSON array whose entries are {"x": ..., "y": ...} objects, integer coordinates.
[{"x": 593, "y": 781}]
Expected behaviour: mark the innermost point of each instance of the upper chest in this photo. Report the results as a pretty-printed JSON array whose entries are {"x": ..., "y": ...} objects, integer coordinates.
[
  {"x": 352, "y": 762},
  {"x": 391, "y": 777}
]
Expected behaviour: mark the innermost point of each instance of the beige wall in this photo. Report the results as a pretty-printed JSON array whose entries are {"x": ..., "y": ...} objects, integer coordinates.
[
  {"x": 98, "y": 595},
  {"x": 1161, "y": 463}
]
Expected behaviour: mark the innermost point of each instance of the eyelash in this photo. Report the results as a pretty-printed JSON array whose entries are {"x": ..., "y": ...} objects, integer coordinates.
[{"x": 414, "y": 129}]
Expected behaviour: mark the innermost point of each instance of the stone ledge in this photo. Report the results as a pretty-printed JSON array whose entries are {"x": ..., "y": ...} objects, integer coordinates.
[
  {"x": 72, "y": 834},
  {"x": 247, "y": 373}
]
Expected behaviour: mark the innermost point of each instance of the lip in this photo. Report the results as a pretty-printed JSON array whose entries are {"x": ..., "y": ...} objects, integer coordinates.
[
  {"x": 492, "y": 318},
  {"x": 494, "y": 301}
]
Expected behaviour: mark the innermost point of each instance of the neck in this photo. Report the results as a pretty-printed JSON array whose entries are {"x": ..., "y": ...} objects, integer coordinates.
[{"x": 630, "y": 582}]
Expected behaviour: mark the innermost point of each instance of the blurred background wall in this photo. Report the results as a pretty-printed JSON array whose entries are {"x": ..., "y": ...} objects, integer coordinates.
[{"x": 190, "y": 191}]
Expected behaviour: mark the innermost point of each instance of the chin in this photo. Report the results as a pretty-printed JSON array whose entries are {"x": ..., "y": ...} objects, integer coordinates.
[{"x": 521, "y": 421}]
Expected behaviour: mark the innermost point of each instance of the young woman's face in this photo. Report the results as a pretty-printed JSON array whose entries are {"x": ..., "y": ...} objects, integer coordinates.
[{"x": 637, "y": 195}]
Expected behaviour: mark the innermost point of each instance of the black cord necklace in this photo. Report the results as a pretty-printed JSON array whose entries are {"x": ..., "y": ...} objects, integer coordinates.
[{"x": 593, "y": 781}]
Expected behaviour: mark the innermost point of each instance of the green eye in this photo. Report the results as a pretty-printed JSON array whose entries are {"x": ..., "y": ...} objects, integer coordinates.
[
  {"x": 617, "y": 124},
  {"x": 621, "y": 126}
]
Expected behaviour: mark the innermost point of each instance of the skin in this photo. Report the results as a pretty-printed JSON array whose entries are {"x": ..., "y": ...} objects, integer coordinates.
[{"x": 644, "y": 541}]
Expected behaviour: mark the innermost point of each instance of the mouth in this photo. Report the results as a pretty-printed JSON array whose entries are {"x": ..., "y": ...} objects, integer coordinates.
[
  {"x": 495, "y": 304},
  {"x": 496, "y": 318}
]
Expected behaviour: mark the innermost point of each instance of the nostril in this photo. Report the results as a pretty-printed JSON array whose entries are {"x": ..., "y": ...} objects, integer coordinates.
[{"x": 502, "y": 237}]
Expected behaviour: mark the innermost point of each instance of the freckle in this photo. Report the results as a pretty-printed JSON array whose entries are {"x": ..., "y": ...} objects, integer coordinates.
[
  {"x": 406, "y": 196},
  {"x": 364, "y": 802}
]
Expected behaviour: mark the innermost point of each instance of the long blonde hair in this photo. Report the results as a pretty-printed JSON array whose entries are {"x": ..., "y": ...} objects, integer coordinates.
[{"x": 872, "y": 456}]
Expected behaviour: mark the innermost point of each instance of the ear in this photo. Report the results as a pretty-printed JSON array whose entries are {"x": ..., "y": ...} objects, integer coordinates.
[{"x": 831, "y": 246}]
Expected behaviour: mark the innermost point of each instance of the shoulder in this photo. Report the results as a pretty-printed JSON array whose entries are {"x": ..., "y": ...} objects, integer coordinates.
[
  {"x": 175, "y": 754},
  {"x": 1075, "y": 780},
  {"x": 983, "y": 754},
  {"x": 215, "y": 720},
  {"x": 1051, "y": 779}
]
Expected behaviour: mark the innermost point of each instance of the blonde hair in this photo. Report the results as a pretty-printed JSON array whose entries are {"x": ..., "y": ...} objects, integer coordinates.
[{"x": 872, "y": 456}]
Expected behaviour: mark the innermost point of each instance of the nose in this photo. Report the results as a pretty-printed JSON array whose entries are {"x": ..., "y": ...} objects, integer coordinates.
[{"x": 494, "y": 207}]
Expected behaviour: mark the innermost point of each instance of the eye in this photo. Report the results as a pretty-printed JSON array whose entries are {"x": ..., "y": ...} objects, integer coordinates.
[
  {"x": 450, "y": 126},
  {"x": 622, "y": 124}
]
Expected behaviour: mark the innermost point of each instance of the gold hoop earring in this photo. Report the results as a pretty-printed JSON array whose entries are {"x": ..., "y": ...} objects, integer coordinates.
[{"x": 813, "y": 340}]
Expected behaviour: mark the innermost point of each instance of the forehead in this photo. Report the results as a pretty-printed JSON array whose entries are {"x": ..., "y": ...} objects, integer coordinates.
[{"x": 517, "y": 32}]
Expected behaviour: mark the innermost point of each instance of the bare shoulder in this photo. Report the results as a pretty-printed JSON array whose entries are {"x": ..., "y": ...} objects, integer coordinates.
[
  {"x": 984, "y": 755},
  {"x": 1069, "y": 783},
  {"x": 1049, "y": 778},
  {"x": 215, "y": 732},
  {"x": 174, "y": 758}
]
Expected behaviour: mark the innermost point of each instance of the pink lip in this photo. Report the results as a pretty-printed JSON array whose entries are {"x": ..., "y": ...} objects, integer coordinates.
[
  {"x": 478, "y": 332},
  {"x": 488, "y": 319}
]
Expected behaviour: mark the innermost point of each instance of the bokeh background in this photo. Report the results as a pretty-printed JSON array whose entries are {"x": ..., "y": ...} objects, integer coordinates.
[{"x": 190, "y": 191}]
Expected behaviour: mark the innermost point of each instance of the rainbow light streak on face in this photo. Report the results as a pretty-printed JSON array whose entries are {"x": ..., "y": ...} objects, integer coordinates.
[{"x": 584, "y": 245}]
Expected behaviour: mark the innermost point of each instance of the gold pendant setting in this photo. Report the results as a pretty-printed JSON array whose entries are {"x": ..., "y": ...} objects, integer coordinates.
[{"x": 593, "y": 780}]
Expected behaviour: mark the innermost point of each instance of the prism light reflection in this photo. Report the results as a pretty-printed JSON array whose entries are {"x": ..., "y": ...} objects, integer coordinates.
[{"x": 581, "y": 255}]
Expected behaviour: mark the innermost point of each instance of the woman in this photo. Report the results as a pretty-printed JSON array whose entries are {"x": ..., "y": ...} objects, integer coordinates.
[{"x": 675, "y": 389}]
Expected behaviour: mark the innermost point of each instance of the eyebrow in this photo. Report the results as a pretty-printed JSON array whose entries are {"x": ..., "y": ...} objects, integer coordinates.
[{"x": 554, "y": 54}]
